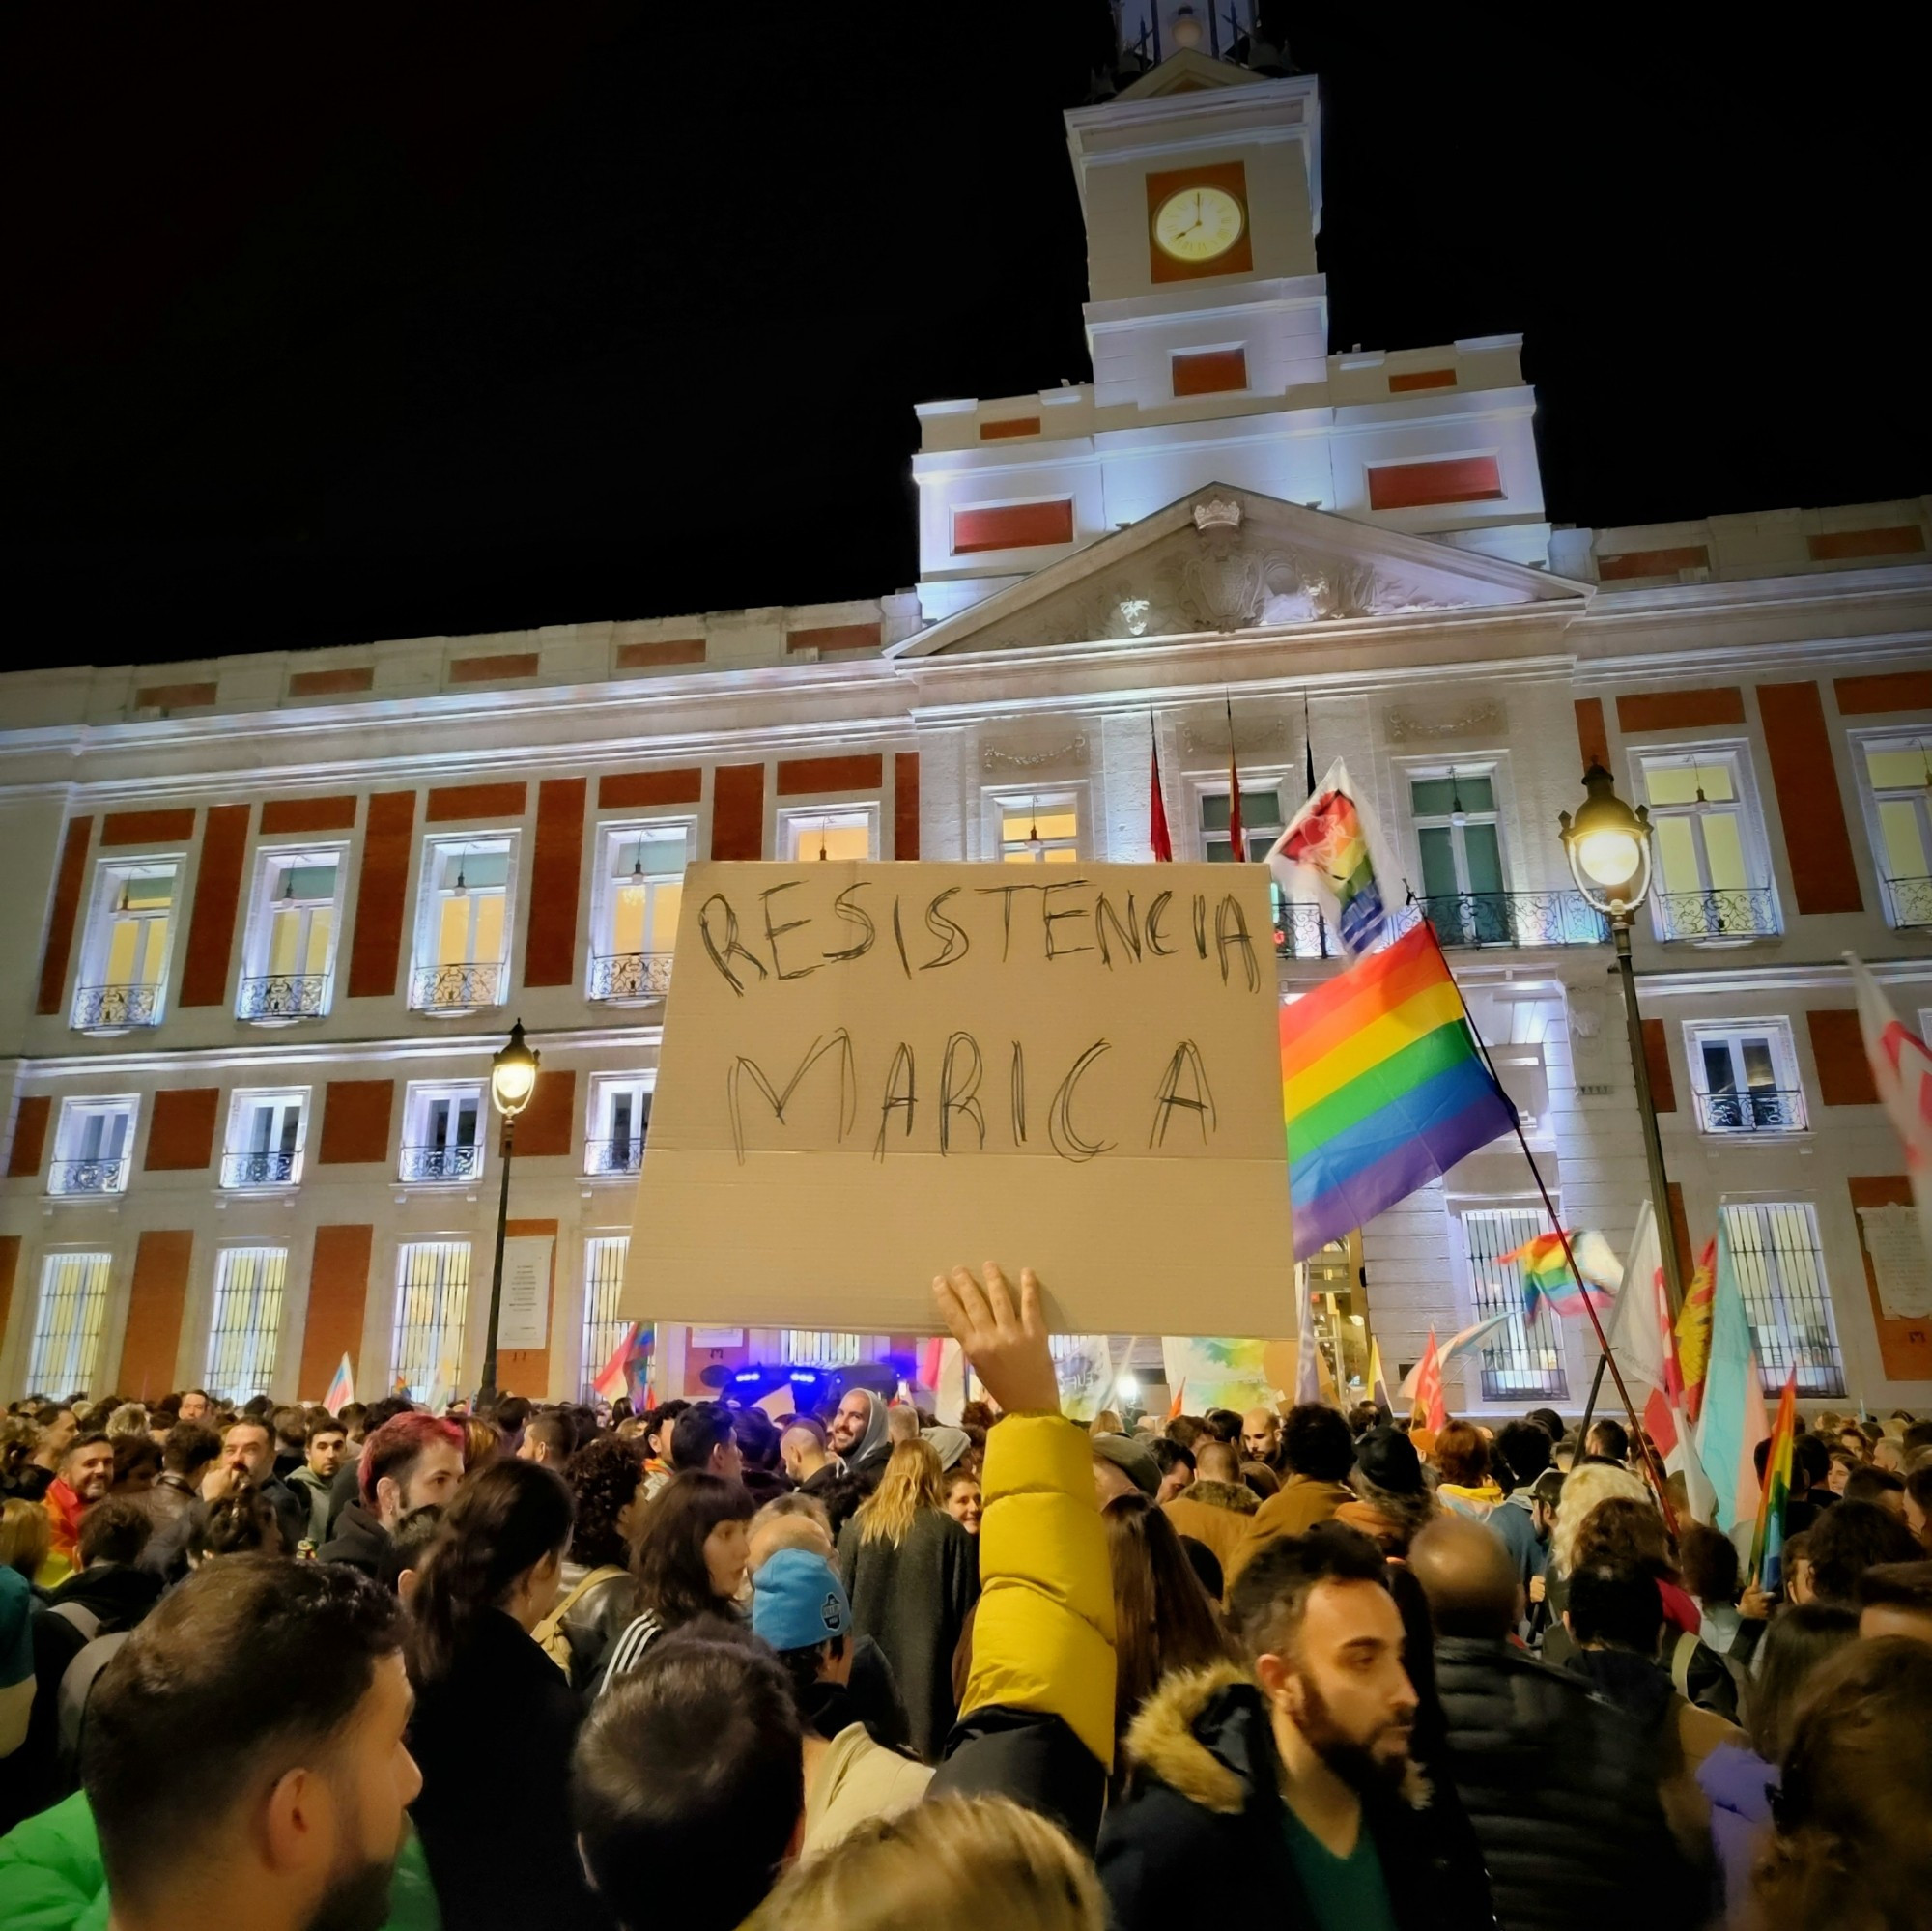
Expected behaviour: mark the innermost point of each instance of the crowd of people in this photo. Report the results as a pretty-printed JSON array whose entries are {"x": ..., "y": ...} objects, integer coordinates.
[{"x": 574, "y": 1666}]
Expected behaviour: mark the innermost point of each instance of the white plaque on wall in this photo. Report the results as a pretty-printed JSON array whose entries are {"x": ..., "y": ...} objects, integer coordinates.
[
  {"x": 524, "y": 1318},
  {"x": 1898, "y": 1259}
]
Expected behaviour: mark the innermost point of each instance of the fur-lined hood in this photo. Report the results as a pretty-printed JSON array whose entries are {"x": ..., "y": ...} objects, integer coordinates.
[
  {"x": 1206, "y": 1735},
  {"x": 1235, "y": 1496}
]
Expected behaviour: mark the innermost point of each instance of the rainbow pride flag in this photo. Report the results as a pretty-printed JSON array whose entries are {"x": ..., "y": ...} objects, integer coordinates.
[
  {"x": 1331, "y": 842},
  {"x": 1382, "y": 1089},
  {"x": 1545, "y": 1272},
  {"x": 1767, "y": 1555}
]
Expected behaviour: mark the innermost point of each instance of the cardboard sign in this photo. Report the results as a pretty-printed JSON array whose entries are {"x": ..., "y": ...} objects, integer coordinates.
[{"x": 874, "y": 1073}]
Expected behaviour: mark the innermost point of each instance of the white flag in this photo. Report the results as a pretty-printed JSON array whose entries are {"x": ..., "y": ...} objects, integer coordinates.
[{"x": 1902, "y": 1071}]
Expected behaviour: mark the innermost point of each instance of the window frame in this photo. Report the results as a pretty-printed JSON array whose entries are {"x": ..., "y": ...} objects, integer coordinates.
[
  {"x": 1753, "y": 841},
  {"x": 601, "y": 1326},
  {"x": 996, "y": 799},
  {"x": 274, "y": 1291},
  {"x": 74, "y": 1109},
  {"x": 1916, "y": 913},
  {"x": 1453, "y": 770},
  {"x": 270, "y": 861},
  {"x": 1775, "y": 1362},
  {"x": 1775, "y": 1030},
  {"x": 279, "y": 1167},
  {"x": 795, "y": 823},
  {"x": 1551, "y": 1377},
  {"x": 1201, "y": 789},
  {"x": 604, "y": 982},
  {"x": 597, "y": 1132},
  {"x": 419, "y": 1097},
  {"x": 473, "y": 991},
  {"x": 101, "y": 1290},
  {"x": 111, "y": 875},
  {"x": 444, "y": 1290}
]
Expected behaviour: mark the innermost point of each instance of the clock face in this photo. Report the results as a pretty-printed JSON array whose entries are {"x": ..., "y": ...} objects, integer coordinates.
[{"x": 1198, "y": 224}]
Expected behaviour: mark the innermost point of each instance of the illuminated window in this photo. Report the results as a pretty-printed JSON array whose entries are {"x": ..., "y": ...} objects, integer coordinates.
[
  {"x": 73, "y": 1310},
  {"x": 1524, "y": 1356},
  {"x": 1780, "y": 1272},
  {"x": 125, "y": 968},
  {"x": 1708, "y": 846},
  {"x": 264, "y": 1139},
  {"x": 1261, "y": 823},
  {"x": 846, "y": 832},
  {"x": 92, "y": 1147},
  {"x": 1041, "y": 831},
  {"x": 1746, "y": 1078},
  {"x": 641, "y": 887},
  {"x": 1899, "y": 784},
  {"x": 462, "y": 929},
  {"x": 292, "y": 937},
  {"x": 604, "y": 1326},
  {"x": 431, "y": 1300},
  {"x": 442, "y": 1132},
  {"x": 247, "y": 1323},
  {"x": 815, "y": 1348},
  {"x": 620, "y": 1113}
]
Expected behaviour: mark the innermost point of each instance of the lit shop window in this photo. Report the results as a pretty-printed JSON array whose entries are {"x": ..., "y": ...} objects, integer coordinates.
[
  {"x": 292, "y": 938},
  {"x": 1524, "y": 1356},
  {"x": 442, "y": 1133},
  {"x": 1709, "y": 847},
  {"x": 92, "y": 1147},
  {"x": 464, "y": 927},
  {"x": 1040, "y": 831},
  {"x": 125, "y": 966},
  {"x": 67, "y": 1323},
  {"x": 264, "y": 1139},
  {"x": 641, "y": 891},
  {"x": 849, "y": 832},
  {"x": 249, "y": 1285},
  {"x": 432, "y": 1302},
  {"x": 1780, "y": 1270},
  {"x": 1747, "y": 1078}
]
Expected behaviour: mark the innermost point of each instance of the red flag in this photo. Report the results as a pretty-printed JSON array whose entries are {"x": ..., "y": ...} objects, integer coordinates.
[
  {"x": 1238, "y": 845},
  {"x": 1159, "y": 841},
  {"x": 1180, "y": 1396},
  {"x": 1429, "y": 1388}
]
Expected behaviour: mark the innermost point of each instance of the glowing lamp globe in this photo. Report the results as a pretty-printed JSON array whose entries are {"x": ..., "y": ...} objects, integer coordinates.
[
  {"x": 1608, "y": 846},
  {"x": 512, "y": 1074}
]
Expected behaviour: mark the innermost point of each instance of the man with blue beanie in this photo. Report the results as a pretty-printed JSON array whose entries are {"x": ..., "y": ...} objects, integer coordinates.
[{"x": 799, "y": 1606}]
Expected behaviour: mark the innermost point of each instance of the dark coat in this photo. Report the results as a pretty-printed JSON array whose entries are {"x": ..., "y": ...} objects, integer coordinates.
[
  {"x": 359, "y": 1540},
  {"x": 1204, "y": 1821},
  {"x": 593, "y": 1623},
  {"x": 1562, "y": 1791},
  {"x": 493, "y": 1737},
  {"x": 912, "y": 1600}
]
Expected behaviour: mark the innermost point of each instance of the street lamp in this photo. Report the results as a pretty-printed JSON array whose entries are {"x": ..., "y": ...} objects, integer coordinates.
[
  {"x": 513, "y": 1078},
  {"x": 1608, "y": 848}
]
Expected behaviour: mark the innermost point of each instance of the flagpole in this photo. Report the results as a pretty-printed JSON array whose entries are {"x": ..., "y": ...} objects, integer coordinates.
[{"x": 1606, "y": 1357}]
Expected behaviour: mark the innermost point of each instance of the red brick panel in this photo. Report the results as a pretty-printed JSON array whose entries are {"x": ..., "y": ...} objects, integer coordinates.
[
  {"x": 175, "y": 696},
  {"x": 1449, "y": 479},
  {"x": 1839, "y": 1046},
  {"x": 1653, "y": 562},
  {"x": 1835, "y": 546},
  {"x": 1593, "y": 740},
  {"x": 181, "y": 1137},
  {"x": 801, "y": 776},
  {"x": 344, "y": 682},
  {"x": 309, "y": 814},
  {"x": 147, "y": 828},
  {"x": 493, "y": 669},
  {"x": 738, "y": 811},
  {"x": 905, "y": 804},
  {"x": 549, "y": 950},
  {"x": 377, "y": 945},
  {"x": 30, "y": 1136},
  {"x": 338, "y": 1289},
  {"x": 826, "y": 638},
  {"x": 1904, "y": 1346},
  {"x": 449, "y": 803},
  {"x": 151, "y": 1340},
  {"x": 1681, "y": 710},
  {"x": 1209, "y": 372},
  {"x": 1656, "y": 1062},
  {"x": 217, "y": 897},
  {"x": 1013, "y": 526},
  {"x": 1013, "y": 425},
  {"x": 68, "y": 882},
  {"x": 668, "y": 650},
  {"x": 10, "y": 1268},
  {"x": 628, "y": 790},
  {"x": 1803, "y": 779},
  {"x": 356, "y": 1122},
  {"x": 543, "y": 1127},
  {"x": 1890, "y": 691},
  {"x": 1403, "y": 381}
]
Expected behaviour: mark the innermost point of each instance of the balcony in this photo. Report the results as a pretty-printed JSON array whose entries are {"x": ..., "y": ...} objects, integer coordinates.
[
  {"x": 68, "y": 1177},
  {"x": 1911, "y": 900},
  {"x": 442, "y": 1164},
  {"x": 1563, "y": 917},
  {"x": 1303, "y": 933},
  {"x": 615, "y": 1156},
  {"x": 281, "y": 998},
  {"x": 450, "y": 989},
  {"x": 1758, "y": 1109},
  {"x": 1748, "y": 912},
  {"x": 116, "y": 1008},
  {"x": 261, "y": 1170},
  {"x": 630, "y": 975}
]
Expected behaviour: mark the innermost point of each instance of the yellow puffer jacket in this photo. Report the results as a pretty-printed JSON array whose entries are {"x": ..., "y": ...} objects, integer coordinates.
[{"x": 1043, "y": 1637}]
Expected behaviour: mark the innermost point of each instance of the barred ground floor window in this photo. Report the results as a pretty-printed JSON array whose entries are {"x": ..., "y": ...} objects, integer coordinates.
[
  {"x": 1524, "y": 1356},
  {"x": 604, "y": 1326},
  {"x": 432, "y": 1302},
  {"x": 1780, "y": 1273},
  {"x": 67, "y": 1323},
  {"x": 247, "y": 1323}
]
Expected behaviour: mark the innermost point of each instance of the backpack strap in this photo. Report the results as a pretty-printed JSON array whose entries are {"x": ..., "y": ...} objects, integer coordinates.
[
  {"x": 80, "y": 1617},
  {"x": 549, "y": 1635},
  {"x": 1681, "y": 1653},
  {"x": 76, "y": 1686}
]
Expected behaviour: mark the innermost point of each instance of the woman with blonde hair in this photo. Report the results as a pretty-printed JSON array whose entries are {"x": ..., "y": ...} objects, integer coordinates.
[
  {"x": 957, "y": 1863},
  {"x": 26, "y": 1536},
  {"x": 912, "y": 1574}
]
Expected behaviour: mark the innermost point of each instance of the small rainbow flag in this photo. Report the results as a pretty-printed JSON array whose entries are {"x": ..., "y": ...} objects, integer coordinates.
[
  {"x": 1381, "y": 1088},
  {"x": 1767, "y": 1555},
  {"x": 1545, "y": 1272},
  {"x": 1332, "y": 841}
]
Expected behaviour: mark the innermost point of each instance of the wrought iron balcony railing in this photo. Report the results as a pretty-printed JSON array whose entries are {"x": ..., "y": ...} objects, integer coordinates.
[
  {"x": 1746, "y": 912},
  {"x": 615, "y": 1156},
  {"x": 261, "y": 1170},
  {"x": 113, "y": 1009},
  {"x": 1303, "y": 933},
  {"x": 1758, "y": 1109},
  {"x": 1561, "y": 918},
  {"x": 87, "y": 1177},
  {"x": 630, "y": 975},
  {"x": 1911, "y": 900},
  {"x": 441, "y": 1163},
  {"x": 455, "y": 989},
  {"x": 279, "y": 996}
]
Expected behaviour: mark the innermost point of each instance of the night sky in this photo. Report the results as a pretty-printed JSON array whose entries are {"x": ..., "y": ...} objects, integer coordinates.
[{"x": 325, "y": 324}]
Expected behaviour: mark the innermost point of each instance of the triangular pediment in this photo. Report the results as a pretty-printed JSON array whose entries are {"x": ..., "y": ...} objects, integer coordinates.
[
  {"x": 1221, "y": 561},
  {"x": 1188, "y": 72}
]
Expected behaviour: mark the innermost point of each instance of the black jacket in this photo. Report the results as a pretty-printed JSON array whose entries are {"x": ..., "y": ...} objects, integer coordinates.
[
  {"x": 359, "y": 1540},
  {"x": 1203, "y": 1820},
  {"x": 493, "y": 1738},
  {"x": 1562, "y": 1791}
]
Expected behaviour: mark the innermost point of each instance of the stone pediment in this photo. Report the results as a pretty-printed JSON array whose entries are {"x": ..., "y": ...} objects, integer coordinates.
[{"x": 1223, "y": 560}]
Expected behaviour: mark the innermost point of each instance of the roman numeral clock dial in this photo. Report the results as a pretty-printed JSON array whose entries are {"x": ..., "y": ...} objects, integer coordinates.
[{"x": 1198, "y": 224}]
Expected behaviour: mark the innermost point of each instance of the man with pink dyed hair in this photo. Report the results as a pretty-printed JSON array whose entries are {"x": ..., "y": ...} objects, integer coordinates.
[{"x": 411, "y": 1461}]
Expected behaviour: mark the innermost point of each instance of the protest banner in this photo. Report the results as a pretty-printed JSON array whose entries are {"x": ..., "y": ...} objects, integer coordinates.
[{"x": 871, "y": 1072}]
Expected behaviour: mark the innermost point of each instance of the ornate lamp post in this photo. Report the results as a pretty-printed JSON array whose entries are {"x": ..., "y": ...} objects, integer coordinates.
[
  {"x": 1608, "y": 848},
  {"x": 513, "y": 1078}
]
